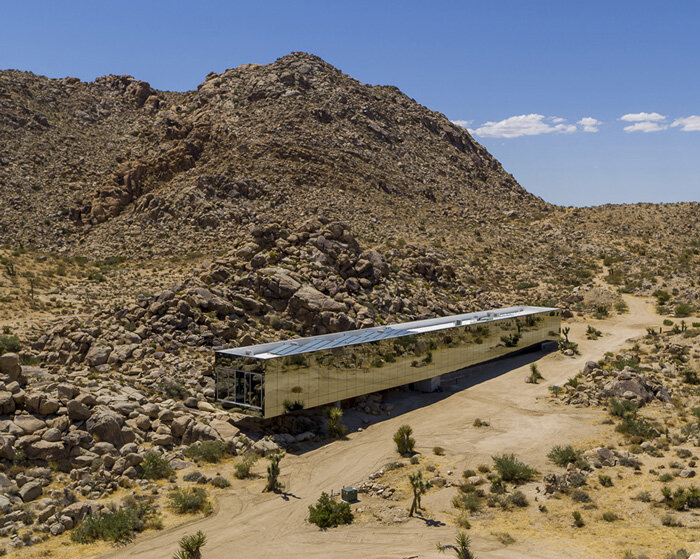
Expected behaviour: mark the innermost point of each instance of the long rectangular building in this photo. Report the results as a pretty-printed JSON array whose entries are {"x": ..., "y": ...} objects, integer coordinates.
[{"x": 274, "y": 378}]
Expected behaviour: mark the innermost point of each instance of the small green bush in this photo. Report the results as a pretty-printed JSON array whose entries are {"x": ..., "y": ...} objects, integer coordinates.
[
  {"x": 117, "y": 526},
  {"x": 404, "y": 442},
  {"x": 189, "y": 501},
  {"x": 241, "y": 470},
  {"x": 207, "y": 451},
  {"x": 621, "y": 407},
  {"x": 564, "y": 455},
  {"x": 513, "y": 470},
  {"x": 220, "y": 482},
  {"x": 154, "y": 466},
  {"x": 610, "y": 516},
  {"x": 518, "y": 499},
  {"x": 682, "y": 310},
  {"x": 438, "y": 451},
  {"x": 637, "y": 427},
  {"x": 470, "y": 502},
  {"x": 9, "y": 343},
  {"x": 329, "y": 513},
  {"x": 605, "y": 480},
  {"x": 578, "y": 519}
]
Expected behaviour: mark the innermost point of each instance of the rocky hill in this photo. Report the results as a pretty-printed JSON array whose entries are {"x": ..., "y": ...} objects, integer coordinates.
[{"x": 300, "y": 200}]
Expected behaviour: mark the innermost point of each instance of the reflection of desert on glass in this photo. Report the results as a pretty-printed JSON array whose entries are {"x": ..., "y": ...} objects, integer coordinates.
[{"x": 274, "y": 378}]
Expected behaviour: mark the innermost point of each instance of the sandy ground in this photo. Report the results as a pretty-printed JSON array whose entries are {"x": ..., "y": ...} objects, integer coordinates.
[{"x": 248, "y": 523}]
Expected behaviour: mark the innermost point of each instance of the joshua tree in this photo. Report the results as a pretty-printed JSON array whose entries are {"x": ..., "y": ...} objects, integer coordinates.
[
  {"x": 404, "y": 441},
  {"x": 419, "y": 487},
  {"x": 566, "y": 331},
  {"x": 273, "y": 472},
  {"x": 191, "y": 546},
  {"x": 461, "y": 547},
  {"x": 333, "y": 426},
  {"x": 535, "y": 374}
]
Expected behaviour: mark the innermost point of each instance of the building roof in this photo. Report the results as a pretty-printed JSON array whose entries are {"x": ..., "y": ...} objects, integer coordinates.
[{"x": 285, "y": 348}]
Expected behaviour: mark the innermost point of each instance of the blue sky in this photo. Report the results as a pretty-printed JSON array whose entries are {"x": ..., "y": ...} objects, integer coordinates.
[{"x": 550, "y": 63}]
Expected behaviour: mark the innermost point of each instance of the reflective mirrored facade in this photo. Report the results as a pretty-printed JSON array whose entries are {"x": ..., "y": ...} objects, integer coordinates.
[{"x": 272, "y": 379}]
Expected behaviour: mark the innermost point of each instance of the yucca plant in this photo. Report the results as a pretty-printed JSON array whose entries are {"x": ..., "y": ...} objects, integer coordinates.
[
  {"x": 191, "y": 546},
  {"x": 273, "y": 472},
  {"x": 460, "y": 547}
]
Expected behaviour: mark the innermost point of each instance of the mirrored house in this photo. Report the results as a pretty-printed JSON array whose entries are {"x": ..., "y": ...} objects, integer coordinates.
[{"x": 274, "y": 378}]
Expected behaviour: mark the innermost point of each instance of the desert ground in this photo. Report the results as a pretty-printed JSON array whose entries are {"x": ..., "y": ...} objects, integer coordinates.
[{"x": 248, "y": 523}]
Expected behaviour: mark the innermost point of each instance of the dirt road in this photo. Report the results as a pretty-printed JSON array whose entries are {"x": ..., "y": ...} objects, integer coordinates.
[{"x": 249, "y": 524}]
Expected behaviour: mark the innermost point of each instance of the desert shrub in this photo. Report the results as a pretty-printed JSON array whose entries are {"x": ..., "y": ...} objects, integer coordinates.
[
  {"x": 117, "y": 526},
  {"x": 468, "y": 473},
  {"x": 609, "y": 516},
  {"x": 189, "y": 501},
  {"x": 564, "y": 455},
  {"x": 497, "y": 486},
  {"x": 643, "y": 496},
  {"x": 329, "y": 513},
  {"x": 518, "y": 499},
  {"x": 513, "y": 470},
  {"x": 207, "y": 451},
  {"x": 683, "y": 310},
  {"x": 173, "y": 389},
  {"x": 478, "y": 423},
  {"x": 241, "y": 469},
  {"x": 155, "y": 466},
  {"x": 483, "y": 468},
  {"x": 670, "y": 521},
  {"x": 579, "y": 496},
  {"x": 578, "y": 519},
  {"x": 637, "y": 427},
  {"x": 682, "y": 497},
  {"x": 662, "y": 296},
  {"x": 683, "y": 453},
  {"x": 605, "y": 480},
  {"x": 470, "y": 502},
  {"x": 9, "y": 343},
  {"x": 220, "y": 482},
  {"x": 593, "y": 333},
  {"x": 190, "y": 547},
  {"x": 664, "y": 478},
  {"x": 690, "y": 376},
  {"x": 438, "y": 451},
  {"x": 621, "y": 407},
  {"x": 404, "y": 442},
  {"x": 462, "y": 520}
]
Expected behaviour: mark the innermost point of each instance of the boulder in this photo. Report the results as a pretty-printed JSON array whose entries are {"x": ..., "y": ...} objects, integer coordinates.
[
  {"x": 7, "y": 450},
  {"x": 10, "y": 369},
  {"x": 41, "y": 403},
  {"x": 98, "y": 355},
  {"x": 197, "y": 431},
  {"x": 77, "y": 411},
  {"x": 29, "y": 423},
  {"x": 589, "y": 366},
  {"x": 307, "y": 303},
  {"x": 46, "y": 450},
  {"x": 106, "y": 425},
  {"x": 7, "y": 403},
  {"x": 30, "y": 491}
]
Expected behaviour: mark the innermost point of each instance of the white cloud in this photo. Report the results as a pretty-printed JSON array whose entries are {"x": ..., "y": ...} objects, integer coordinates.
[
  {"x": 642, "y": 117},
  {"x": 589, "y": 124},
  {"x": 523, "y": 125},
  {"x": 688, "y": 123},
  {"x": 556, "y": 119},
  {"x": 645, "y": 127},
  {"x": 462, "y": 123}
]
